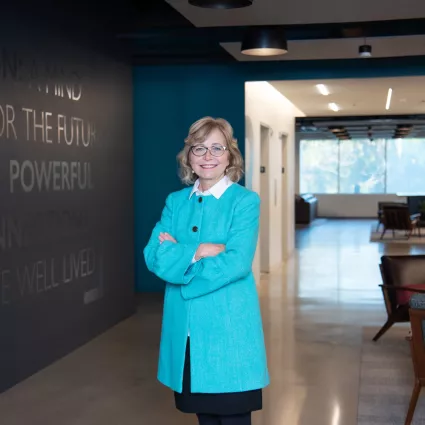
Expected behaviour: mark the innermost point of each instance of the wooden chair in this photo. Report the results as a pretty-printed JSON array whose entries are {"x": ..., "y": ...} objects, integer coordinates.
[
  {"x": 417, "y": 349},
  {"x": 402, "y": 276},
  {"x": 381, "y": 206},
  {"x": 399, "y": 218}
]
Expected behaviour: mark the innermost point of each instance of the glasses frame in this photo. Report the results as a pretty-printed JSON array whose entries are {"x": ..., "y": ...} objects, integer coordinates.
[{"x": 208, "y": 150}]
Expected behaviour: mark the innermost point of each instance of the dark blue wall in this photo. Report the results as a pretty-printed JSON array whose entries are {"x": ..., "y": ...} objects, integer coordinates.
[{"x": 167, "y": 100}]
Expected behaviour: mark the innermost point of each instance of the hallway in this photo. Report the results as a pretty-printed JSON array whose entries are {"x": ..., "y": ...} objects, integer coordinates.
[{"x": 315, "y": 311}]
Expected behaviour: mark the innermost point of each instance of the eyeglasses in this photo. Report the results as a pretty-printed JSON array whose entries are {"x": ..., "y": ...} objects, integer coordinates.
[{"x": 216, "y": 150}]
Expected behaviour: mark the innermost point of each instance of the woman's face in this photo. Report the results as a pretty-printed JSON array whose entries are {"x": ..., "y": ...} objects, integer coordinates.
[{"x": 210, "y": 167}]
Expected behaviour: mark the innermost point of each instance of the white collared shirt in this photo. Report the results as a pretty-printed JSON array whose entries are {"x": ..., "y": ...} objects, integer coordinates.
[{"x": 217, "y": 190}]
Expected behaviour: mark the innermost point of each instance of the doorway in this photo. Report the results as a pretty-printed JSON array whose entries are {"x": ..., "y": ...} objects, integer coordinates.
[{"x": 265, "y": 199}]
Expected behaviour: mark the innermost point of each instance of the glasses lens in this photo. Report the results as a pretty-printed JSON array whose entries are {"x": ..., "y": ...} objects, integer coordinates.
[
  {"x": 217, "y": 150},
  {"x": 199, "y": 150}
]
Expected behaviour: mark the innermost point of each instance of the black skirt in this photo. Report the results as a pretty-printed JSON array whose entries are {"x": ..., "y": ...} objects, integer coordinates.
[{"x": 215, "y": 404}]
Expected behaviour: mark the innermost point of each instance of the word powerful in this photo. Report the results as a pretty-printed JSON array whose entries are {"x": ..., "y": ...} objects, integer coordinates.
[{"x": 28, "y": 176}]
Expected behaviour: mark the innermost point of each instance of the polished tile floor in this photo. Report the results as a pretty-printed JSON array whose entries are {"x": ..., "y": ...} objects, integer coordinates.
[{"x": 314, "y": 308}]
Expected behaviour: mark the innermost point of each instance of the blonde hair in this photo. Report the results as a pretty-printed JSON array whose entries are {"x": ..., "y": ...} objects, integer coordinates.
[{"x": 198, "y": 132}]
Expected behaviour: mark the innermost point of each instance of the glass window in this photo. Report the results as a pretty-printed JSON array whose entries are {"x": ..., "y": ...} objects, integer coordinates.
[
  {"x": 319, "y": 166},
  {"x": 406, "y": 165},
  {"x": 362, "y": 166}
]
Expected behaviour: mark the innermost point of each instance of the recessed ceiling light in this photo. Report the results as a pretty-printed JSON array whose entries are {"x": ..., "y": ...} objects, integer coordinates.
[
  {"x": 322, "y": 89},
  {"x": 390, "y": 92},
  {"x": 333, "y": 106}
]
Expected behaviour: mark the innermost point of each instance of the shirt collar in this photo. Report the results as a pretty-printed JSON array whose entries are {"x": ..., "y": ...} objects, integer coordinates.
[{"x": 217, "y": 190}]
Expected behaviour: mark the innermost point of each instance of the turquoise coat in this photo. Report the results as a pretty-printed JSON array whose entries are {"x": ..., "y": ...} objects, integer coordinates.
[{"x": 215, "y": 298}]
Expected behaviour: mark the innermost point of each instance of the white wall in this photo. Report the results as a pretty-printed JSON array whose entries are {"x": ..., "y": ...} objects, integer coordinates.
[
  {"x": 355, "y": 205},
  {"x": 264, "y": 105}
]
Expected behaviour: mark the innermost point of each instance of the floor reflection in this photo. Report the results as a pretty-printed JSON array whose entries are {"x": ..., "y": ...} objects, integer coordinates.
[{"x": 314, "y": 310}]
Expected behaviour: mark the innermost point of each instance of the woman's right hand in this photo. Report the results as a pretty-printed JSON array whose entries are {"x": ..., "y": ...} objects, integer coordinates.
[{"x": 209, "y": 250}]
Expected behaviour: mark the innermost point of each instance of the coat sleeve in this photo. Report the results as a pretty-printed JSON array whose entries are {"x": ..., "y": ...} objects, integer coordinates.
[
  {"x": 233, "y": 264},
  {"x": 169, "y": 261}
]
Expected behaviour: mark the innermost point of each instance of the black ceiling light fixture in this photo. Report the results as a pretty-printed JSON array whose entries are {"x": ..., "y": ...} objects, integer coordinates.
[
  {"x": 264, "y": 41},
  {"x": 221, "y": 4},
  {"x": 365, "y": 50}
]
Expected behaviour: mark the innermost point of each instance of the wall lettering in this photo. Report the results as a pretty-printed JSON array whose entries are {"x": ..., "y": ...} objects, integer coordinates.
[
  {"x": 41, "y": 75},
  {"x": 47, "y": 274},
  {"x": 29, "y": 175},
  {"x": 7, "y": 122}
]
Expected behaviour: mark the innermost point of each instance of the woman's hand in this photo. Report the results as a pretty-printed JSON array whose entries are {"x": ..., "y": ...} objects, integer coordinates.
[
  {"x": 163, "y": 236},
  {"x": 209, "y": 250}
]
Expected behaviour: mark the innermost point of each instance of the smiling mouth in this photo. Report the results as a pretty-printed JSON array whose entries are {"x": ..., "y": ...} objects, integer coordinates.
[{"x": 207, "y": 167}]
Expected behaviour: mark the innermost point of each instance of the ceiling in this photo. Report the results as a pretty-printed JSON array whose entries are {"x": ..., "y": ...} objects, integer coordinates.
[
  {"x": 173, "y": 32},
  {"x": 340, "y": 48},
  {"x": 363, "y": 112},
  {"x": 352, "y": 17},
  {"x": 280, "y": 12},
  {"x": 357, "y": 96}
]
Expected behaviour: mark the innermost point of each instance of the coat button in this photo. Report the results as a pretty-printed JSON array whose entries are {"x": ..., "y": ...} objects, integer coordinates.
[
  {"x": 194, "y": 228},
  {"x": 200, "y": 200}
]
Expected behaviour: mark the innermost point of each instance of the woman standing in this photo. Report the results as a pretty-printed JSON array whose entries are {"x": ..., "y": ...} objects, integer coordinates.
[{"x": 212, "y": 350}]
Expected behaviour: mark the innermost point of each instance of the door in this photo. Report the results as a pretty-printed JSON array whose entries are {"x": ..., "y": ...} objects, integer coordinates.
[
  {"x": 284, "y": 197},
  {"x": 265, "y": 200}
]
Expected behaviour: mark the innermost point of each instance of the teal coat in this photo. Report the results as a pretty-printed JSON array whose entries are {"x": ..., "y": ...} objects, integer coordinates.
[{"x": 215, "y": 298}]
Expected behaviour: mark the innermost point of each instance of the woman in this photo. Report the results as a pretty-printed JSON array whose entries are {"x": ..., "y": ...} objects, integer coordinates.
[{"x": 212, "y": 350}]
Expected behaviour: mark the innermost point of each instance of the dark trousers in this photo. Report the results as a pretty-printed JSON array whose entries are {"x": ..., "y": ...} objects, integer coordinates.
[{"x": 224, "y": 420}]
